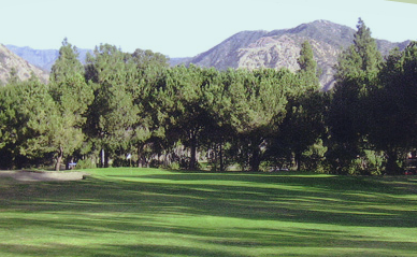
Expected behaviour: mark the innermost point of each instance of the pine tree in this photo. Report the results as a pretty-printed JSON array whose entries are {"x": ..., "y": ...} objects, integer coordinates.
[
  {"x": 393, "y": 114},
  {"x": 367, "y": 49},
  {"x": 145, "y": 59},
  {"x": 9, "y": 124},
  {"x": 182, "y": 112},
  {"x": 67, "y": 65},
  {"x": 149, "y": 136},
  {"x": 28, "y": 116},
  {"x": 218, "y": 133},
  {"x": 356, "y": 78},
  {"x": 257, "y": 108},
  {"x": 362, "y": 59},
  {"x": 303, "y": 123},
  {"x": 72, "y": 97},
  {"x": 36, "y": 114},
  {"x": 112, "y": 114},
  {"x": 306, "y": 59},
  {"x": 14, "y": 78}
]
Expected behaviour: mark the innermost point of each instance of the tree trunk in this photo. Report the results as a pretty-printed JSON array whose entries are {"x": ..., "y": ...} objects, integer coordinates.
[
  {"x": 59, "y": 159},
  {"x": 102, "y": 158},
  {"x": 215, "y": 156},
  {"x": 106, "y": 161},
  {"x": 193, "y": 149},
  {"x": 298, "y": 161},
  {"x": 167, "y": 159},
  {"x": 392, "y": 166},
  {"x": 141, "y": 157},
  {"x": 221, "y": 156},
  {"x": 255, "y": 160}
]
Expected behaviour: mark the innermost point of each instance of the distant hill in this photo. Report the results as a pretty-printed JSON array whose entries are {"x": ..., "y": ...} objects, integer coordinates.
[
  {"x": 9, "y": 60},
  {"x": 281, "y": 48},
  {"x": 254, "y": 50},
  {"x": 44, "y": 59},
  {"x": 178, "y": 61}
]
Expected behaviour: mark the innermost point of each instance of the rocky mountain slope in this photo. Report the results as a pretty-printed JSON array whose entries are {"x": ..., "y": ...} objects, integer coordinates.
[
  {"x": 255, "y": 49},
  {"x": 9, "y": 60},
  {"x": 44, "y": 59},
  {"x": 281, "y": 48}
]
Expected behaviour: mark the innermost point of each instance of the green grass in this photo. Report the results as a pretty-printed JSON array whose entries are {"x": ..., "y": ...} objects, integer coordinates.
[{"x": 149, "y": 212}]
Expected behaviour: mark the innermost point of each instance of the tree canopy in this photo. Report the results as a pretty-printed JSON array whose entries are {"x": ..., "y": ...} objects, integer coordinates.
[{"x": 124, "y": 109}]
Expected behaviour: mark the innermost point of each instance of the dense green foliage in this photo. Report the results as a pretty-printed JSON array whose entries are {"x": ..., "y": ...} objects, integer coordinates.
[
  {"x": 72, "y": 97},
  {"x": 124, "y": 109}
]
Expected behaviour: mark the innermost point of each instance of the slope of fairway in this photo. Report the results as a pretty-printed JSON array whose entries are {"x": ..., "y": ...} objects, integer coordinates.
[{"x": 145, "y": 212}]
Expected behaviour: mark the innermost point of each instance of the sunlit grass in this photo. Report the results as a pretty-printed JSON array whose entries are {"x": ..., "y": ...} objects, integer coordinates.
[{"x": 150, "y": 212}]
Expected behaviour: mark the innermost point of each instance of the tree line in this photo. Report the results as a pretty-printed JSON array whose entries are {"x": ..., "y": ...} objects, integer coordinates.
[{"x": 125, "y": 109}]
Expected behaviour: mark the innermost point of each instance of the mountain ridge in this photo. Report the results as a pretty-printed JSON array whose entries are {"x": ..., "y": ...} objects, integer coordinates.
[
  {"x": 256, "y": 49},
  {"x": 280, "y": 48},
  {"x": 44, "y": 58},
  {"x": 24, "y": 69}
]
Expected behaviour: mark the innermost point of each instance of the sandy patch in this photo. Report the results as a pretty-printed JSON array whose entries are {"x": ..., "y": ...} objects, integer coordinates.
[{"x": 30, "y": 176}]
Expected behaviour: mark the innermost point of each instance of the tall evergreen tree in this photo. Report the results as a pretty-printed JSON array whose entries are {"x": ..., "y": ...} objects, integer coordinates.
[
  {"x": 366, "y": 47},
  {"x": 393, "y": 114},
  {"x": 149, "y": 137},
  {"x": 219, "y": 132},
  {"x": 184, "y": 114},
  {"x": 356, "y": 78},
  {"x": 361, "y": 60},
  {"x": 10, "y": 98},
  {"x": 303, "y": 123},
  {"x": 28, "y": 116},
  {"x": 112, "y": 114},
  {"x": 72, "y": 96},
  {"x": 67, "y": 65},
  {"x": 307, "y": 63}
]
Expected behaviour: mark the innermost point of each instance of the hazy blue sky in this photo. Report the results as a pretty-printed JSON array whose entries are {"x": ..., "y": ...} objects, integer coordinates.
[{"x": 181, "y": 28}]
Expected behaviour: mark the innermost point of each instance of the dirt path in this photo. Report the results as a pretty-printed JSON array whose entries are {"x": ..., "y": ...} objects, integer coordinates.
[{"x": 30, "y": 176}]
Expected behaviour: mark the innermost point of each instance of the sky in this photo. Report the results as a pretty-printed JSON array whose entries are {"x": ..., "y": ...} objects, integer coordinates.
[{"x": 185, "y": 28}]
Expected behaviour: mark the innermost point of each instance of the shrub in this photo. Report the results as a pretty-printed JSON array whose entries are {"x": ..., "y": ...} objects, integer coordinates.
[
  {"x": 174, "y": 166},
  {"x": 154, "y": 163},
  {"x": 86, "y": 164}
]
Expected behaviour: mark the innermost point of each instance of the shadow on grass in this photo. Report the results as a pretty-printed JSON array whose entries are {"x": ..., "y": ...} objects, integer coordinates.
[
  {"x": 148, "y": 250},
  {"x": 249, "y": 240},
  {"x": 142, "y": 204},
  {"x": 311, "y": 199}
]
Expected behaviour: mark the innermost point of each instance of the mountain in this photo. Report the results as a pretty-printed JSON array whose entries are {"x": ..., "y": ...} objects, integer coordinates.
[
  {"x": 44, "y": 59},
  {"x": 254, "y": 49},
  {"x": 9, "y": 60},
  {"x": 281, "y": 48},
  {"x": 178, "y": 61}
]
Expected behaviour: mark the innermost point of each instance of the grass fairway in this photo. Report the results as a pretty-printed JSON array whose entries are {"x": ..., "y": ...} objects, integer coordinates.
[{"x": 145, "y": 212}]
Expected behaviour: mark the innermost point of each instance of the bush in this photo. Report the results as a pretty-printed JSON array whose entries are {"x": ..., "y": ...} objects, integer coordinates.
[
  {"x": 266, "y": 166},
  {"x": 154, "y": 163},
  {"x": 324, "y": 167},
  {"x": 86, "y": 164},
  {"x": 174, "y": 166}
]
